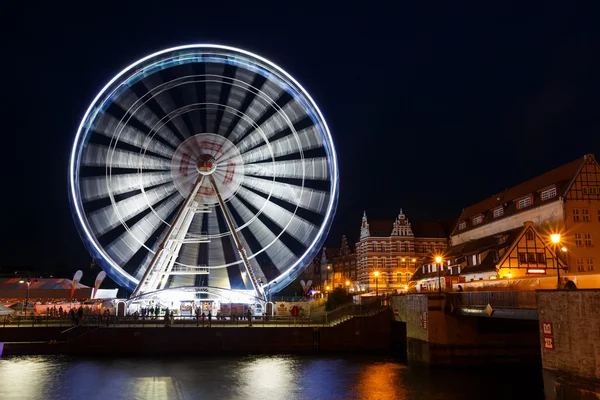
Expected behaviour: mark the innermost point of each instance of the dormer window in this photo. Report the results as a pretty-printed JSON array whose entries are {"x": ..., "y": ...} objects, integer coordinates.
[
  {"x": 477, "y": 220},
  {"x": 548, "y": 194},
  {"x": 498, "y": 212},
  {"x": 462, "y": 226},
  {"x": 524, "y": 202}
]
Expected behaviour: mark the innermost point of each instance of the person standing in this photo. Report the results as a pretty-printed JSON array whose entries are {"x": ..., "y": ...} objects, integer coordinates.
[
  {"x": 569, "y": 284},
  {"x": 209, "y": 318},
  {"x": 249, "y": 315}
]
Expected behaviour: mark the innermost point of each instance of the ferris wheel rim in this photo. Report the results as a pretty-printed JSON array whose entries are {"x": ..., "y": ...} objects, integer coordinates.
[{"x": 124, "y": 277}]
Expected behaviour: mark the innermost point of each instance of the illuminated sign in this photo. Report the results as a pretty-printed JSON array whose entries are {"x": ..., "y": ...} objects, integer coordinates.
[{"x": 536, "y": 271}]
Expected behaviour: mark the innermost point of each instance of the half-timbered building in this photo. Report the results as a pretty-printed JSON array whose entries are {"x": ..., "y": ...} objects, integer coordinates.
[{"x": 565, "y": 200}]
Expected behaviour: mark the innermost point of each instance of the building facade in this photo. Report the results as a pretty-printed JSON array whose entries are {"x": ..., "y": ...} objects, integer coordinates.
[
  {"x": 388, "y": 252},
  {"x": 565, "y": 200},
  {"x": 344, "y": 267}
]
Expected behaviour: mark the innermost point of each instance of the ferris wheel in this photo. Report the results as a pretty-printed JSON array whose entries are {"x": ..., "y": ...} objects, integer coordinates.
[{"x": 203, "y": 166}]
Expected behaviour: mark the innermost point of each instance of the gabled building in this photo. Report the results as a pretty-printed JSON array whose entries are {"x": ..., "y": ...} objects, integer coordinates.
[
  {"x": 394, "y": 249},
  {"x": 564, "y": 200},
  {"x": 509, "y": 256},
  {"x": 344, "y": 267}
]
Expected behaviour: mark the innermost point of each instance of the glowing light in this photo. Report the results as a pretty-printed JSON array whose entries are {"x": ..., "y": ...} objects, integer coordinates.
[
  {"x": 21, "y": 281},
  {"x": 327, "y": 288},
  {"x": 376, "y": 273},
  {"x": 414, "y": 260},
  {"x": 509, "y": 275},
  {"x": 347, "y": 283},
  {"x": 438, "y": 259},
  {"x": 555, "y": 237},
  {"x": 564, "y": 249}
]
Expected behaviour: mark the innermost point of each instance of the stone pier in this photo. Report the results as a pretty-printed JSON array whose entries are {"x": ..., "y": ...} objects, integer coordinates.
[
  {"x": 437, "y": 335},
  {"x": 569, "y": 330}
]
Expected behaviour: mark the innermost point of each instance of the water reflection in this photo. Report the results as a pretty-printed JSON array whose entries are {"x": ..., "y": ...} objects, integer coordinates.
[
  {"x": 256, "y": 377},
  {"x": 380, "y": 381}
]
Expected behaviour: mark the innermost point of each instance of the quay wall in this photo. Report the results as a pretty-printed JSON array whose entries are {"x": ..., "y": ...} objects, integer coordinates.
[{"x": 356, "y": 334}]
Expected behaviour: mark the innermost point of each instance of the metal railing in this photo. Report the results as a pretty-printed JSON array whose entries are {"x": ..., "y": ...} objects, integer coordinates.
[
  {"x": 514, "y": 299},
  {"x": 330, "y": 319}
]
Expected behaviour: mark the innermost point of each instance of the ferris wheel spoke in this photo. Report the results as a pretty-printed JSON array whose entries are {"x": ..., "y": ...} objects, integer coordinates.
[
  {"x": 262, "y": 101},
  {"x": 100, "y": 187},
  {"x": 291, "y": 113},
  {"x": 213, "y": 87},
  {"x": 136, "y": 108},
  {"x": 97, "y": 155},
  {"x": 190, "y": 96},
  {"x": 110, "y": 127},
  {"x": 308, "y": 168},
  {"x": 107, "y": 218},
  {"x": 162, "y": 96},
  {"x": 309, "y": 138},
  {"x": 306, "y": 198},
  {"x": 277, "y": 251},
  {"x": 287, "y": 221},
  {"x": 237, "y": 95},
  {"x": 132, "y": 240}
]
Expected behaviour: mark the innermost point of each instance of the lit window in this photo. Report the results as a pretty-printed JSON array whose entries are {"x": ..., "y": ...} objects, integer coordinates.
[
  {"x": 463, "y": 224},
  {"x": 399, "y": 277},
  {"x": 498, "y": 212},
  {"x": 588, "y": 239},
  {"x": 522, "y": 258},
  {"x": 576, "y": 215},
  {"x": 585, "y": 213},
  {"x": 593, "y": 190},
  {"x": 578, "y": 241},
  {"x": 580, "y": 266},
  {"x": 548, "y": 194},
  {"x": 477, "y": 220},
  {"x": 526, "y": 202},
  {"x": 585, "y": 190},
  {"x": 590, "y": 264},
  {"x": 541, "y": 258}
]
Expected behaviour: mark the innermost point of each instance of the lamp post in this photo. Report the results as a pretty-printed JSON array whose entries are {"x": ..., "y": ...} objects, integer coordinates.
[
  {"x": 555, "y": 238},
  {"x": 376, "y": 274},
  {"x": 347, "y": 285},
  {"x": 328, "y": 268},
  {"x": 438, "y": 261},
  {"x": 28, "y": 281}
]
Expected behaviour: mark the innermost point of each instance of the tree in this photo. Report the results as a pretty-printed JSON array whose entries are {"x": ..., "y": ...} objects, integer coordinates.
[{"x": 337, "y": 298}]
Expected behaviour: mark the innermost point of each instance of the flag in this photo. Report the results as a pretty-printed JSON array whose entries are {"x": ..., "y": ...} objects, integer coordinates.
[
  {"x": 99, "y": 279},
  {"x": 76, "y": 279}
]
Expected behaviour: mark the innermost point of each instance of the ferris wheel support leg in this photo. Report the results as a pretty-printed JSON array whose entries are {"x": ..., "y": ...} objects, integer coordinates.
[
  {"x": 177, "y": 224},
  {"x": 238, "y": 244}
]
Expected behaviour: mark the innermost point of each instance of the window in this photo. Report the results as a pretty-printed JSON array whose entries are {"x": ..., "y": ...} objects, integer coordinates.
[
  {"x": 477, "y": 220},
  {"x": 522, "y": 258},
  {"x": 578, "y": 241},
  {"x": 593, "y": 190},
  {"x": 398, "y": 246},
  {"x": 531, "y": 258},
  {"x": 526, "y": 202},
  {"x": 588, "y": 239},
  {"x": 529, "y": 235},
  {"x": 576, "y": 215},
  {"x": 375, "y": 247},
  {"x": 463, "y": 224},
  {"x": 541, "y": 258},
  {"x": 399, "y": 277},
  {"x": 585, "y": 190},
  {"x": 585, "y": 213},
  {"x": 590, "y": 264},
  {"x": 498, "y": 212},
  {"x": 404, "y": 247},
  {"x": 580, "y": 267},
  {"x": 548, "y": 194},
  {"x": 375, "y": 262},
  {"x": 383, "y": 263}
]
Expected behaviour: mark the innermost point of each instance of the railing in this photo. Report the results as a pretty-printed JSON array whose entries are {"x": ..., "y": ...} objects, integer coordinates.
[
  {"x": 525, "y": 299},
  {"x": 330, "y": 319}
]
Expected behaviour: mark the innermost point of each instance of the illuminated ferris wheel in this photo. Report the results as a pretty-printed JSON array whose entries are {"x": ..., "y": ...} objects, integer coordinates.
[{"x": 203, "y": 166}]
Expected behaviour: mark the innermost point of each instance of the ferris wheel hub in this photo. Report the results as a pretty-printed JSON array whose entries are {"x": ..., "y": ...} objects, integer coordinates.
[{"x": 206, "y": 164}]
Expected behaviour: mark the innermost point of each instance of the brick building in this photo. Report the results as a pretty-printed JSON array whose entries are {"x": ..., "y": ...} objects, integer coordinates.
[{"x": 394, "y": 249}]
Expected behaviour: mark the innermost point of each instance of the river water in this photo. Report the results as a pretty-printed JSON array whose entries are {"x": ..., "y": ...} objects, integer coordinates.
[{"x": 258, "y": 377}]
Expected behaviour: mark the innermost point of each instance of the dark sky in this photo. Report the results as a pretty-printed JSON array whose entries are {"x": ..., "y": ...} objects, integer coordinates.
[{"x": 431, "y": 109}]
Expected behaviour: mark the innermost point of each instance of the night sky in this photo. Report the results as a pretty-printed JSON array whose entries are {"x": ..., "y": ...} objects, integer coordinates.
[{"x": 431, "y": 109}]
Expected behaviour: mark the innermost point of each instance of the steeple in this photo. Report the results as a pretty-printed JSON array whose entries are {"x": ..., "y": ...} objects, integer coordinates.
[
  {"x": 402, "y": 226},
  {"x": 364, "y": 227}
]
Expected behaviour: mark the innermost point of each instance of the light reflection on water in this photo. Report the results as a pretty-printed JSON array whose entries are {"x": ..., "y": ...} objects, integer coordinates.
[{"x": 256, "y": 377}]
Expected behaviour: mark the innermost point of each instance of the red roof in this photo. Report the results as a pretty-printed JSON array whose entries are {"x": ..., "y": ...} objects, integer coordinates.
[{"x": 561, "y": 177}]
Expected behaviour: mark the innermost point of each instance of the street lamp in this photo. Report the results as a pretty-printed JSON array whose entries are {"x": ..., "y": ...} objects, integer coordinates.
[
  {"x": 347, "y": 285},
  {"x": 28, "y": 281},
  {"x": 328, "y": 268},
  {"x": 438, "y": 260},
  {"x": 376, "y": 274},
  {"x": 555, "y": 238}
]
